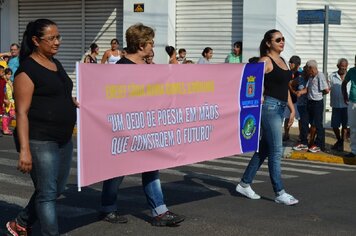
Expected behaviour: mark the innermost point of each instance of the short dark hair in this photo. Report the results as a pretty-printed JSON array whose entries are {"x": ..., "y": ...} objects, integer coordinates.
[
  {"x": 295, "y": 60},
  {"x": 181, "y": 50},
  {"x": 238, "y": 44},
  {"x": 253, "y": 60},
  {"x": 7, "y": 71},
  {"x": 15, "y": 44},
  {"x": 93, "y": 46}
]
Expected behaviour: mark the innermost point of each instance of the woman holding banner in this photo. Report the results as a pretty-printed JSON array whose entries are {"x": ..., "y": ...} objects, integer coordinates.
[
  {"x": 276, "y": 98},
  {"x": 46, "y": 115},
  {"x": 139, "y": 39}
]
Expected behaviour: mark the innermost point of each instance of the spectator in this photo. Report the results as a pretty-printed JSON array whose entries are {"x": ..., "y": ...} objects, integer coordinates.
[
  {"x": 14, "y": 63},
  {"x": 46, "y": 116},
  {"x": 253, "y": 59},
  {"x": 94, "y": 52},
  {"x": 302, "y": 101},
  {"x": 351, "y": 101},
  {"x": 6, "y": 58},
  {"x": 182, "y": 53},
  {"x": 112, "y": 55},
  {"x": 140, "y": 43},
  {"x": 9, "y": 109},
  {"x": 207, "y": 55},
  {"x": 188, "y": 62},
  {"x": 236, "y": 55},
  {"x": 317, "y": 86},
  {"x": 2, "y": 91},
  {"x": 149, "y": 58},
  {"x": 123, "y": 52},
  {"x": 339, "y": 108},
  {"x": 171, "y": 51},
  {"x": 294, "y": 63},
  {"x": 276, "y": 98},
  {"x": 4, "y": 62}
]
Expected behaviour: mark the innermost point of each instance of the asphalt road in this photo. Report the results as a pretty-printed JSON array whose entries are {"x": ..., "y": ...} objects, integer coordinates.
[{"x": 205, "y": 194}]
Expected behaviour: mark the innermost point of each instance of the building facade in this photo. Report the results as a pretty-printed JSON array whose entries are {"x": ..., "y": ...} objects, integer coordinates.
[{"x": 189, "y": 24}]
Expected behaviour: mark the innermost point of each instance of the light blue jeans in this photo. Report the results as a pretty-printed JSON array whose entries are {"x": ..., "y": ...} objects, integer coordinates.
[
  {"x": 50, "y": 169},
  {"x": 151, "y": 187},
  {"x": 270, "y": 144}
]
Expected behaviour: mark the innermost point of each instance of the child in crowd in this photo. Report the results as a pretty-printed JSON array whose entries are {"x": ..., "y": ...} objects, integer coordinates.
[
  {"x": 182, "y": 53},
  {"x": 6, "y": 58},
  {"x": 9, "y": 103},
  {"x": 2, "y": 91}
]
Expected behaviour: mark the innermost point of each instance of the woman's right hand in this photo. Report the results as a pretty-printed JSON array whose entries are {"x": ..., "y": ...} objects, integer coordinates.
[{"x": 25, "y": 162}]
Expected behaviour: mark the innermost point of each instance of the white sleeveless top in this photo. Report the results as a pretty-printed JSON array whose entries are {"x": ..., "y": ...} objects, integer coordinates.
[{"x": 112, "y": 59}]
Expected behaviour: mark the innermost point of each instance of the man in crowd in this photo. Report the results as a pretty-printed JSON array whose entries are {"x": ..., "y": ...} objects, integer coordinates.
[
  {"x": 339, "y": 108},
  {"x": 14, "y": 62},
  {"x": 294, "y": 64},
  {"x": 316, "y": 88},
  {"x": 351, "y": 101}
]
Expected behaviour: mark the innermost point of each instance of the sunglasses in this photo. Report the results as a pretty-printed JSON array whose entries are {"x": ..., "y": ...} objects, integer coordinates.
[{"x": 278, "y": 40}]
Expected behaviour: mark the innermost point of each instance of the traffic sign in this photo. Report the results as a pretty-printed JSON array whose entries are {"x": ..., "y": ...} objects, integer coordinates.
[{"x": 318, "y": 17}]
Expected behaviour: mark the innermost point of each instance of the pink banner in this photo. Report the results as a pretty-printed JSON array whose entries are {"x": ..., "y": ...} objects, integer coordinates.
[{"x": 138, "y": 118}]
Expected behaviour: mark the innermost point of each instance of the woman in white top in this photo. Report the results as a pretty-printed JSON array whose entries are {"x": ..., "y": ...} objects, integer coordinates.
[
  {"x": 207, "y": 55},
  {"x": 113, "y": 54}
]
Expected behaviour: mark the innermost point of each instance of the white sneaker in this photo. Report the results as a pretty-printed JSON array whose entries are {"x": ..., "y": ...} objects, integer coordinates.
[
  {"x": 247, "y": 192},
  {"x": 286, "y": 199}
]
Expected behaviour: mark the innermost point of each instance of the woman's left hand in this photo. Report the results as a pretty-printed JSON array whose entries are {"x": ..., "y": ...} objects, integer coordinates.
[{"x": 76, "y": 103}]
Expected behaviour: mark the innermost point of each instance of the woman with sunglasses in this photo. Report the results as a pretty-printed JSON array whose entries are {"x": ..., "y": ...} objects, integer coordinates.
[
  {"x": 112, "y": 55},
  {"x": 276, "y": 97}
]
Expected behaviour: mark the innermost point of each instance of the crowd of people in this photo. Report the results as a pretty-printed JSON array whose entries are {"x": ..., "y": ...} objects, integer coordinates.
[
  {"x": 9, "y": 63},
  {"x": 114, "y": 54},
  {"x": 46, "y": 116}
]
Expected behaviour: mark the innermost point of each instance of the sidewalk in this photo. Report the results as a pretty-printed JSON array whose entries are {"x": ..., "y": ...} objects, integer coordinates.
[{"x": 329, "y": 156}]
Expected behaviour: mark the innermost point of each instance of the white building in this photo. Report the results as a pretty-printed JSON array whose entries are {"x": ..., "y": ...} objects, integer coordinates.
[{"x": 189, "y": 24}]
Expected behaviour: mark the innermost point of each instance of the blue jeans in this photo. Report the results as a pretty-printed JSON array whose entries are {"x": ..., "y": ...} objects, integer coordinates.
[
  {"x": 151, "y": 187},
  {"x": 50, "y": 169},
  {"x": 316, "y": 111},
  {"x": 304, "y": 124},
  {"x": 270, "y": 144}
]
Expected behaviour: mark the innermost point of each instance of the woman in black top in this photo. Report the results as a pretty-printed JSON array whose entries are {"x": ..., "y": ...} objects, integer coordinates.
[
  {"x": 46, "y": 115},
  {"x": 94, "y": 52},
  {"x": 276, "y": 98}
]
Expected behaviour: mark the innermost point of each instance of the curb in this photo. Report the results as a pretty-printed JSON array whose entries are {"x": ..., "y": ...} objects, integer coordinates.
[{"x": 322, "y": 157}]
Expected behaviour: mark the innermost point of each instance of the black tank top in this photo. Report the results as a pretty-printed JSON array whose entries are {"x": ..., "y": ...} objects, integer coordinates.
[
  {"x": 52, "y": 114},
  {"x": 276, "y": 82}
]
